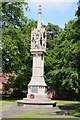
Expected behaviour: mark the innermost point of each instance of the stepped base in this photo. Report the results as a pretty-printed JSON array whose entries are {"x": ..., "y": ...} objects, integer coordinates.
[{"x": 35, "y": 102}]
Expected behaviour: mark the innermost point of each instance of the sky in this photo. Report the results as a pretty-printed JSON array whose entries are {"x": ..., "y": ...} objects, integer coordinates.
[{"x": 57, "y": 12}]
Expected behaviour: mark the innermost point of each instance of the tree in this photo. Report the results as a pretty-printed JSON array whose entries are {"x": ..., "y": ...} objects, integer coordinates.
[
  {"x": 61, "y": 66},
  {"x": 16, "y": 39},
  {"x": 52, "y": 32},
  {"x": 78, "y": 14},
  {"x": 12, "y": 13},
  {"x": 62, "y": 60}
]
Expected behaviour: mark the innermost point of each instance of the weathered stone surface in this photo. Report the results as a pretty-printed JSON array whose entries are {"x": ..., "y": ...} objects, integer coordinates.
[
  {"x": 36, "y": 102},
  {"x": 37, "y": 87},
  {"x": 38, "y": 49}
]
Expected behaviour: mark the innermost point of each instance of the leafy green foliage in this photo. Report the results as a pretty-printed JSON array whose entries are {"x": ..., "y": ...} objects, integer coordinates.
[
  {"x": 52, "y": 32},
  {"x": 12, "y": 12},
  {"x": 62, "y": 60},
  {"x": 78, "y": 13},
  {"x": 16, "y": 41},
  {"x": 61, "y": 67}
]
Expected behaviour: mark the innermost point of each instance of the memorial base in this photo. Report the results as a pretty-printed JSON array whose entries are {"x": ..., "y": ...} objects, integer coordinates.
[{"x": 35, "y": 102}]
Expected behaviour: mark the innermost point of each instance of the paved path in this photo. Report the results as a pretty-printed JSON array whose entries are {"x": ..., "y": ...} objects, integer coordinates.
[{"x": 13, "y": 109}]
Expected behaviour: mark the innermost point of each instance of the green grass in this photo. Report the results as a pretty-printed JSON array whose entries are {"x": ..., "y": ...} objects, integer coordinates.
[
  {"x": 11, "y": 101},
  {"x": 74, "y": 113},
  {"x": 45, "y": 113},
  {"x": 64, "y": 102},
  {"x": 36, "y": 114},
  {"x": 3, "y": 102},
  {"x": 73, "y": 104}
]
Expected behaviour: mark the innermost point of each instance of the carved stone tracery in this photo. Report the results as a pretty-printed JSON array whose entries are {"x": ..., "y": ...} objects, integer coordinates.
[{"x": 38, "y": 39}]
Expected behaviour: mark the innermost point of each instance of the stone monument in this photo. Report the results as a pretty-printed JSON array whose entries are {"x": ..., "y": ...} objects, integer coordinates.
[
  {"x": 38, "y": 48},
  {"x": 37, "y": 87}
]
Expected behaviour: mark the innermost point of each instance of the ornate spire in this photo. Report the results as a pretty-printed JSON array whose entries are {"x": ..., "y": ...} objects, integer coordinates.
[{"x": 39, "y": 18}]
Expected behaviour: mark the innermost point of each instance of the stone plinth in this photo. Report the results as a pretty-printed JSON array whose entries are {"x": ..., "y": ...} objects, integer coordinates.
[{"x": 36, "y": 102}]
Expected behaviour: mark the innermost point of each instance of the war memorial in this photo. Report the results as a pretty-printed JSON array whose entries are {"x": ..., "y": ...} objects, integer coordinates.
[{"x": 37, "y": 93}]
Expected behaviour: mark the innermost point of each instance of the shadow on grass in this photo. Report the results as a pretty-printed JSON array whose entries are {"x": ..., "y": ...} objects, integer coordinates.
[{"x": 72, "y": 109}]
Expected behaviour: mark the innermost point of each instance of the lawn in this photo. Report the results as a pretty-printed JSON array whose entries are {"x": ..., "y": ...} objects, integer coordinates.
[
  {"x": 68, "y": 107},
  {"x": 3, "y": 102},
  {"x": 11, "y": 101},
  {"x": 70, "y": 104},
  {"x": 41, "y": 114}
]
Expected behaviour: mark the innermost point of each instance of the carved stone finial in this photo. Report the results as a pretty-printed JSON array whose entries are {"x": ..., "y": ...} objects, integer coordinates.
[
  {"x": 39, "y": 11},
  {"x": 39, "y": 18}
]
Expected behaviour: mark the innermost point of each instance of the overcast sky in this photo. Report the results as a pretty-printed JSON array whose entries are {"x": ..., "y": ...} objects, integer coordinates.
[{"x": 54, "y": 11}]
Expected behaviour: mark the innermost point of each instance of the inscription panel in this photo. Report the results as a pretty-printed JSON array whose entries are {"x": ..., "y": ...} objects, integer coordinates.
[{"x": 34, "y": 89}]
